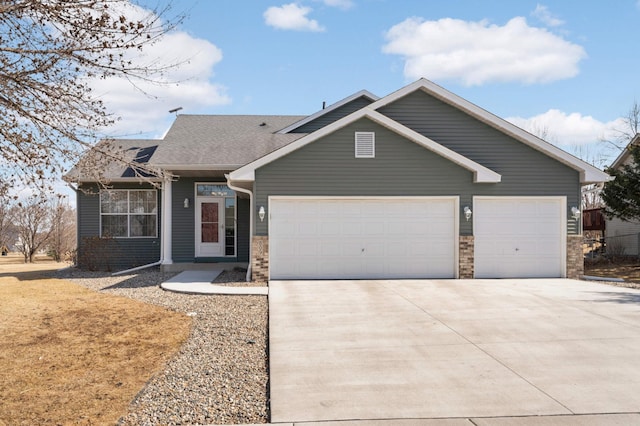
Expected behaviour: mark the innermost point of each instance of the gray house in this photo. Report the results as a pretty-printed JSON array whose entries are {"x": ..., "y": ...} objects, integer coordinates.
[
  {"x": 623, "y": 237},
  {"x": 418, "y": 184}
]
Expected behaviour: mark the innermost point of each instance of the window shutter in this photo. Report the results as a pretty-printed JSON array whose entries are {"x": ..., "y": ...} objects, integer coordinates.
[{"x": 365, "y": 145}]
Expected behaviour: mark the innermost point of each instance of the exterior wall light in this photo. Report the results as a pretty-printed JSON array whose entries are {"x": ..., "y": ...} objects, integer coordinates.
[
  {"x": 261, "y": 213},
  {"x": 467, "y": 212},
  {"x": 575, "y": 213},
  {"x": 186, "y": 203}
]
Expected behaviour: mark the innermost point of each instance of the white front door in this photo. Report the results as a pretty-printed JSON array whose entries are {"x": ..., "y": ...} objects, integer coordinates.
[{"x": 209, "y": 227}]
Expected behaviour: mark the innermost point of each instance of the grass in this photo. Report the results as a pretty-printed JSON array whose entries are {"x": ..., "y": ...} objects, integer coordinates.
[{"x": 71, "y": 356}]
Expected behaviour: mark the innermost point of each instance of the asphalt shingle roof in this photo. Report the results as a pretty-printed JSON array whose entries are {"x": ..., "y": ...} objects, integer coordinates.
[
  {"x": 94, "y": 166},
  {"x": 222, "y": 140}
]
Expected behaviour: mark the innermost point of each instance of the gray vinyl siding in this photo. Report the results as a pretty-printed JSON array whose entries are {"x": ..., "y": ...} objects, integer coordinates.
[
  {"x": 334, "y": 115},
  {"x": 111, "y": 254},
  {"x": 525, "y": 171},
  {"x": 183, "y": 229},
  {"x": 328, "y": 167},
  {"x": 183, "y": 248}
]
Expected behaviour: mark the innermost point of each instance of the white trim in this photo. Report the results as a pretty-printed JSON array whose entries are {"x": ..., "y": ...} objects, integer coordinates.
[
  {"x": 167, "y": 223},
  {"x": 588, "y": 173},
  {"x": 626, "y": 152},
  {"x": 454, "y": 198},
  {"x": 196, "y": 167},
  {"x": 481, "y": 174},
  {"x": 563, "y": 220},
  {"x": 128, "y": 213},
  {"x": 328, "y": 109}
]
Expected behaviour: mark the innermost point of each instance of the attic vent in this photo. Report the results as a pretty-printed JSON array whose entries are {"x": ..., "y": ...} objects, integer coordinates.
[{"x": 365, "y": 145}]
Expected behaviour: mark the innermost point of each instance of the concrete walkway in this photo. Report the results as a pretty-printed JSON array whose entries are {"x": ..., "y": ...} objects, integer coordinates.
[
  {"x": 454, "y": 352},
  {"x": 200, "y": 282}
]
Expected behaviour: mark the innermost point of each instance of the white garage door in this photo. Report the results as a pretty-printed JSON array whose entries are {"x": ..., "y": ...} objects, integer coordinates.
[
  {"x": 519, "y": 237},
  {"x": 362, "y": 238}
]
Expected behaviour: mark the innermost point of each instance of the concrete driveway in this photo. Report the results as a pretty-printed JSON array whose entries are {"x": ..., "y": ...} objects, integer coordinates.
[{"x": 454, "y": 349}]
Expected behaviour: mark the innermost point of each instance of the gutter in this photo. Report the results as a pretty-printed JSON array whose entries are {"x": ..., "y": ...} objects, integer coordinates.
[{"x": 251, "y": 213}]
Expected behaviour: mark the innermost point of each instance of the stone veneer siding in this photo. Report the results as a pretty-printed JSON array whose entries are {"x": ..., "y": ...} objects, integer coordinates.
[
  {"x": 465, "y": 257},
  {"x": 260, "y": 258},
  {"x": 575, "y": 257}
]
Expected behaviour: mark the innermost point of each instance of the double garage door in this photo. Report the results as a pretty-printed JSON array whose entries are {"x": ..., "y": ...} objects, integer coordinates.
[{"x": 395, "y": 237}]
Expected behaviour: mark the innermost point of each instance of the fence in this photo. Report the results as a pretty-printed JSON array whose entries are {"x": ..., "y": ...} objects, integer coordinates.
[{"x": 612, "y": 246}]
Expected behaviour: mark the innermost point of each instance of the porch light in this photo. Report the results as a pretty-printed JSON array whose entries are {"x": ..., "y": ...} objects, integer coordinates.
[
  {"x": 186, "y": 203},
  {"x": 467, "y": 212},
  {"x": 261, "y": 213},
  {"x": 575, "y": 213}
]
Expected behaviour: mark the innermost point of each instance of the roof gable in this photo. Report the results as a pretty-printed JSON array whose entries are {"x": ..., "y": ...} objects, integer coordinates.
[
  {"x": 624, "y": 156},
  {"x": 588, "y": 173},
  {"x": 481, "y": 174},
  {"x": 362, "y": 95}
]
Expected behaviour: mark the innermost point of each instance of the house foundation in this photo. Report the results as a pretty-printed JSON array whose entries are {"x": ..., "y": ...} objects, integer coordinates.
[
  {"x": 465, "y": 257},
  {"x": 260, "y": 258},
  {"x": 575, "y": 257}
]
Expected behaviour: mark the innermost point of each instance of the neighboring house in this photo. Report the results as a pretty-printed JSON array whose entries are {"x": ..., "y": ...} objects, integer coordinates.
[
  {"x": 623, "y": 237},
  {"x": 418, "y": 184}
]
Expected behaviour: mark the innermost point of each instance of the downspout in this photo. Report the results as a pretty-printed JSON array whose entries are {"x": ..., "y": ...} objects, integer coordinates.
[
  {"x": 162, "y": 243},
  {"x": 251, "y": 209}
]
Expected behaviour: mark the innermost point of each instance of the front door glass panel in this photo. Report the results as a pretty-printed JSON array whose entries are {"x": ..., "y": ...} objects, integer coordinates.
[{"x": 210, "y": 222}]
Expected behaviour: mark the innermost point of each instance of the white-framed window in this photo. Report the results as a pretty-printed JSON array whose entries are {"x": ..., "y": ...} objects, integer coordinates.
[
  {"x": 365, "y": 144},
  {"x": 129, "y": 213}
]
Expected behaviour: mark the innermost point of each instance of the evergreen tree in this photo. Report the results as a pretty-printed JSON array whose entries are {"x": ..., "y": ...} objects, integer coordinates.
[{"x": 621, "y": 195}]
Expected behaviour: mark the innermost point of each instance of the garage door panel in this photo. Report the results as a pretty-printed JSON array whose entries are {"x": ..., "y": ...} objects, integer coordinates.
[
  {"x": 519, "y": 237},
  {"x": 363, "y": 238}
]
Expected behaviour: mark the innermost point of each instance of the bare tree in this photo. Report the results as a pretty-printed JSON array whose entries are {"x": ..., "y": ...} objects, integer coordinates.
[
  {"x": 32, "y": 219},
  {"x": 49, "y": 52},
  {"x": 629, "y": 129},
  {"x": 7, "y": 230},
  {"x": 63, "y": 232}
]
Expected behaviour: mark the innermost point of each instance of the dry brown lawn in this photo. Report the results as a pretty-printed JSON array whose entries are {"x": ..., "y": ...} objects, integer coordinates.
[
  {"x": 69, "y": 355},
  {"x": 629, "y": 269}
]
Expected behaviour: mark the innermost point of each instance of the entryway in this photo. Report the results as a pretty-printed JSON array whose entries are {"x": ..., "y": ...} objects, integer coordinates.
[{"x": 209, "y": 227}]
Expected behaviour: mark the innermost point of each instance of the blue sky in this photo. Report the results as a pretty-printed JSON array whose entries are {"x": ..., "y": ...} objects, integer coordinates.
[{"x": 568, "y": 67}]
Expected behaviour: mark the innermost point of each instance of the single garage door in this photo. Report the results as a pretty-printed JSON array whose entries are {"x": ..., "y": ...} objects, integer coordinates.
[
  {"x": 362, "y": 238},
  {"x": 519, "y": 237}
]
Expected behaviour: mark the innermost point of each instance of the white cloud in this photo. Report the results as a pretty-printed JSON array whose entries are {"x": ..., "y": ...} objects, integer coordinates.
[
  {"x": 478, "y": 52},
  {"x": 546, "y": 17},
  {"x": 561, "y": 128},
  {"x": 291, "y": 17},
  {"x": 143, "y": 108}
]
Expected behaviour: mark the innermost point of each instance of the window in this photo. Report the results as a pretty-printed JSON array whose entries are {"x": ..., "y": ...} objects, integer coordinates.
[
  {"x": 365, "y": 145},
  {"x": 129, "y": 213}
]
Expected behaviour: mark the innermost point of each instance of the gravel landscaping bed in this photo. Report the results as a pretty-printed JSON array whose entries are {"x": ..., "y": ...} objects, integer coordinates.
[{"x": 220, "y": 374}]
